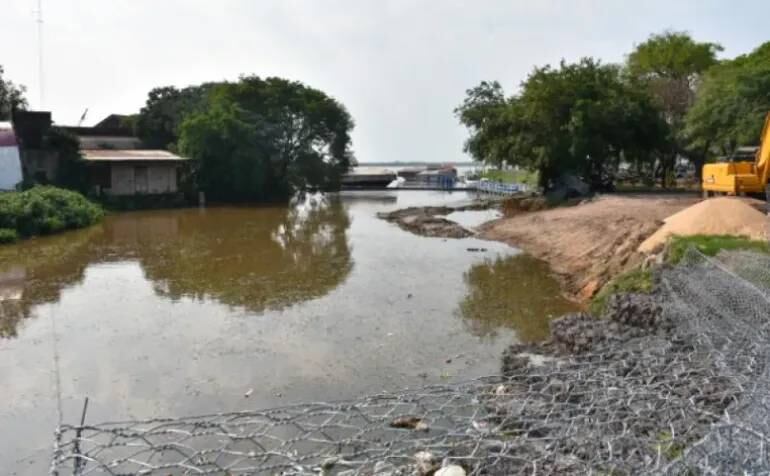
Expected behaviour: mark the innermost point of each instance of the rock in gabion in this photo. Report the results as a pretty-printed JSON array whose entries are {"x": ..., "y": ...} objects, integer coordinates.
[
  {"x": 633, "y": 309},
  {"x": 576, "y": 332}
]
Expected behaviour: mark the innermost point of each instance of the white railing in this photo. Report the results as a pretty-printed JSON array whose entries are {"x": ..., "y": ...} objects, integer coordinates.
[{"x": 500, "y": 188}]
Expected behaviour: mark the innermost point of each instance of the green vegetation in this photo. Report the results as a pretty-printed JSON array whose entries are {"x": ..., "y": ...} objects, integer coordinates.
[
  {"x": 710, "y": 245},
  {"x": 579, "y": 118},
  {"x": 8, "y": 235},
  {"x": 11, "y": 97},
  {"x": 669, "y": 447},
  {"x": 158, "y": 123},
  {"x": 265, "y": 139},
  {"x": 731, "y": 104},
  {"x": 672, "y": 97},
  {"x": 634, "y": 281},
  {"x": 252, "y": 140},
  {"x": 44, "y": 210},
  {"x": 512, "y": 176}
]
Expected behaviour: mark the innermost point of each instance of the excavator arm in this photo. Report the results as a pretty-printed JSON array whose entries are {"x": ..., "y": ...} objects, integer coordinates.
[{"x": 763, "y": 154}]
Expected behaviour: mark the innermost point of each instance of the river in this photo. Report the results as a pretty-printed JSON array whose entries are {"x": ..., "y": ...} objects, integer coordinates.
[{"x": 184, "y": 312}]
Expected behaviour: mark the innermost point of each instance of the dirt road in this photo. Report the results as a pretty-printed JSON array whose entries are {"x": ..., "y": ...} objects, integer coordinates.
[{"x": 588, "y": 244}]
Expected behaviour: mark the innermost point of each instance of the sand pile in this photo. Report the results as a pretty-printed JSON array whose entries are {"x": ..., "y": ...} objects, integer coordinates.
[{"x": 715, "y": 216}]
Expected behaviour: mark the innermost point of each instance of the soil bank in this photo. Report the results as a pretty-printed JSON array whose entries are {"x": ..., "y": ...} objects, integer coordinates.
[{"x": 586, "y": 245}]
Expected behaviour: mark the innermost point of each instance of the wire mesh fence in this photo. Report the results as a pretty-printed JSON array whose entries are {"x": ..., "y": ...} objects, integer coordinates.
[{"x": 673, "y": 384}]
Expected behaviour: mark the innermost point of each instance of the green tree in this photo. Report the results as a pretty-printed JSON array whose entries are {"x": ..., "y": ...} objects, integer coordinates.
[
  {"x": 731, "y": 104},
  {"x": 71, "y": 172},
  {"x": 580, "y": 118},
  {"x": 671, "y": 65},
  {"x": 11, "y": 97},
  {"x": 158, "y": 122},
  {"x": 260, "y": 139}
]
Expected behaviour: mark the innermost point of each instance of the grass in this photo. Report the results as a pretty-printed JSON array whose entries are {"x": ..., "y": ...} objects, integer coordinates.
[
  {"x": 634, "y": 281},
  {"x": 669, "y": 447},
  {"x": 710, "y": 245},
  {"x": 512, "y": 176},
  {"x": 43, "y": 211}
]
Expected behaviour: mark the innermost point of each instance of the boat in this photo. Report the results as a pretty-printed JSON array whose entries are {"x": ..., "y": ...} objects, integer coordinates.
[{"x": 368, "y": 177}]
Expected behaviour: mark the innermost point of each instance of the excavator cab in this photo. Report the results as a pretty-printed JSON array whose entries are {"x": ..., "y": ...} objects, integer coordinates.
[{"x": 741, "y": 175}]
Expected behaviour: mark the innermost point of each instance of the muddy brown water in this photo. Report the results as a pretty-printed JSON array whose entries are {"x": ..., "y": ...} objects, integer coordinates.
[{"x": 184, "y": 312}]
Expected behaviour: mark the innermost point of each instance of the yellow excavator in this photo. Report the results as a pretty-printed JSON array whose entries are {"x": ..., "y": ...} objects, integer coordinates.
[{"x": 741, "y": 177}]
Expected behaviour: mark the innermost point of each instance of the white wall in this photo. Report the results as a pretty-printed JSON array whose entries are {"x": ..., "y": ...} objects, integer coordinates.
[
  {"x": 161, "y": 178},
  {"x": 10, "y": 167}
]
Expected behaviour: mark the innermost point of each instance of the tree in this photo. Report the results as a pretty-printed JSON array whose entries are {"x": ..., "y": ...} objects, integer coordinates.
[
  {"x": 731, "y": 104},
  {"x": 158, "y": 122},
  {"x": 482, "y": 113},
  {"x": 581, "y": 119},
  {"x": 11, "y": 97},
  {"x": 260, "y": 139},
  {"x": 671, "y": 65}
]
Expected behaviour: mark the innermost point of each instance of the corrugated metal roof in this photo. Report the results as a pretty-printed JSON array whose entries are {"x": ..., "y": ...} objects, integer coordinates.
[
  {"x": 112, "y": 155},
  {"x": 7, "y": 136},
  {"x": 109, "y": 142}
]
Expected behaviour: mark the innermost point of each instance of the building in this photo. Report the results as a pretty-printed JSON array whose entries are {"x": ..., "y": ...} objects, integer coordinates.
[
  {"x": 10, "y": 161},
  {"x": 121, "y": 172},
  {"x": 38, "y": 163},
  {"x": 119, "y": 166},
  {"x": 443, "y": 177}
]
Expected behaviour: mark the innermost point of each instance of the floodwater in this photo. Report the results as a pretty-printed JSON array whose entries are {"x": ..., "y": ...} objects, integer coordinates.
[{"x": 184, "y": 312}]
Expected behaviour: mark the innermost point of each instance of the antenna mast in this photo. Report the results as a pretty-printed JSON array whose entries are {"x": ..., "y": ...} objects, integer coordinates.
[{"x": 41, "y": 78}]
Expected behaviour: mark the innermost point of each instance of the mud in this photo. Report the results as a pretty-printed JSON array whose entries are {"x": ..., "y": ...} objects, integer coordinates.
[
  {"x": 587, "y": 244},
  {"x": 430, "y": 221}
]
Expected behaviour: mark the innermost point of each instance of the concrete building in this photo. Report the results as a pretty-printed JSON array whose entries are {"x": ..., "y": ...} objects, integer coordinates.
[
  {"x": 38, "y": 163},
  {"x": 133, "y": 172},
  {"x": 10, "y": 161},
  {"x": 118, "y": 166}
]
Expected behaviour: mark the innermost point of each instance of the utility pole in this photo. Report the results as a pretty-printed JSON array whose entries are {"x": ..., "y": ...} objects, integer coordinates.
[{"x": 41, "y": 77}]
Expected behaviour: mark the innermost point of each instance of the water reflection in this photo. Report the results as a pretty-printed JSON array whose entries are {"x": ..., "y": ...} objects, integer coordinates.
[
  {"x": 515, "y": 292},
  {"x": 36, "y": 271},
  {"x": 265, "y": 260},
  {"x": 255, "y": 258}
]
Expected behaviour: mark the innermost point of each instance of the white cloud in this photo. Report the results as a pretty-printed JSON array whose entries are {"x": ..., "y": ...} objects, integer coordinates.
[{"x": 400, "y": 66}]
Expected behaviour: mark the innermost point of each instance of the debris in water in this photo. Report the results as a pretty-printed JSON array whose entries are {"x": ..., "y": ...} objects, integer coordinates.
[
  {"x": 410, "y": 423},
  {"x": 248, "y": 393}
]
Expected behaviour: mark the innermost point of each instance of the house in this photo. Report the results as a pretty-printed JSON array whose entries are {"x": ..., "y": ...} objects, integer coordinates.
[
  {"x": 119, "y": 166},
  {"x": 121, "y": 172},
  {"x": 38, "y": 163},
  {"x": 10, "y": 162}
]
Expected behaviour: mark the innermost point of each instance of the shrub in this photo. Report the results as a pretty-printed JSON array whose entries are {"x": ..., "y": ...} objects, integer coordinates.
[
  {"x": 8, "y": 235},
  {"x": 44, "y": 210}
]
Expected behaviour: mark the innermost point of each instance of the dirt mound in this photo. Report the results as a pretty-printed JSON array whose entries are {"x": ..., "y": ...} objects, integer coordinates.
[
  {"x": 587, "y": 244},
  {"x": 716, "y": 216},
  {"x": 424, "y": 222}
]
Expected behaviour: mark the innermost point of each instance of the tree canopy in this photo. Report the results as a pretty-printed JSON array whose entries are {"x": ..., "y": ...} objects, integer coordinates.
[
  {"x": 260, "y": 139},
  {"x": 670, "y": 65},
  {"x": 11, "y": 97},
  {"x": 158, "y": 122},
  {"x": 731, "y": 104},
  {"x": 579, "y": 118}
]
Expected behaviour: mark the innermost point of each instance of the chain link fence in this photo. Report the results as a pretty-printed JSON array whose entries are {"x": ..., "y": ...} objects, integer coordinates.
[{"x": 676, "y": 383}]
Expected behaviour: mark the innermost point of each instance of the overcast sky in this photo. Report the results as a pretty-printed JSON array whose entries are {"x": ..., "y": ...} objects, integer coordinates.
[{"x": 400, "y": 66}]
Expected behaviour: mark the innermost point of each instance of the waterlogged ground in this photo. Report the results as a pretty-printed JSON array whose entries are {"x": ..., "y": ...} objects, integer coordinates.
[{"x": 183, "y": 312}]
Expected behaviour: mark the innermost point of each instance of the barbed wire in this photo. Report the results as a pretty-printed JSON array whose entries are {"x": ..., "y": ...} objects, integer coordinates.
[{"x": 676, "y": 383}]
